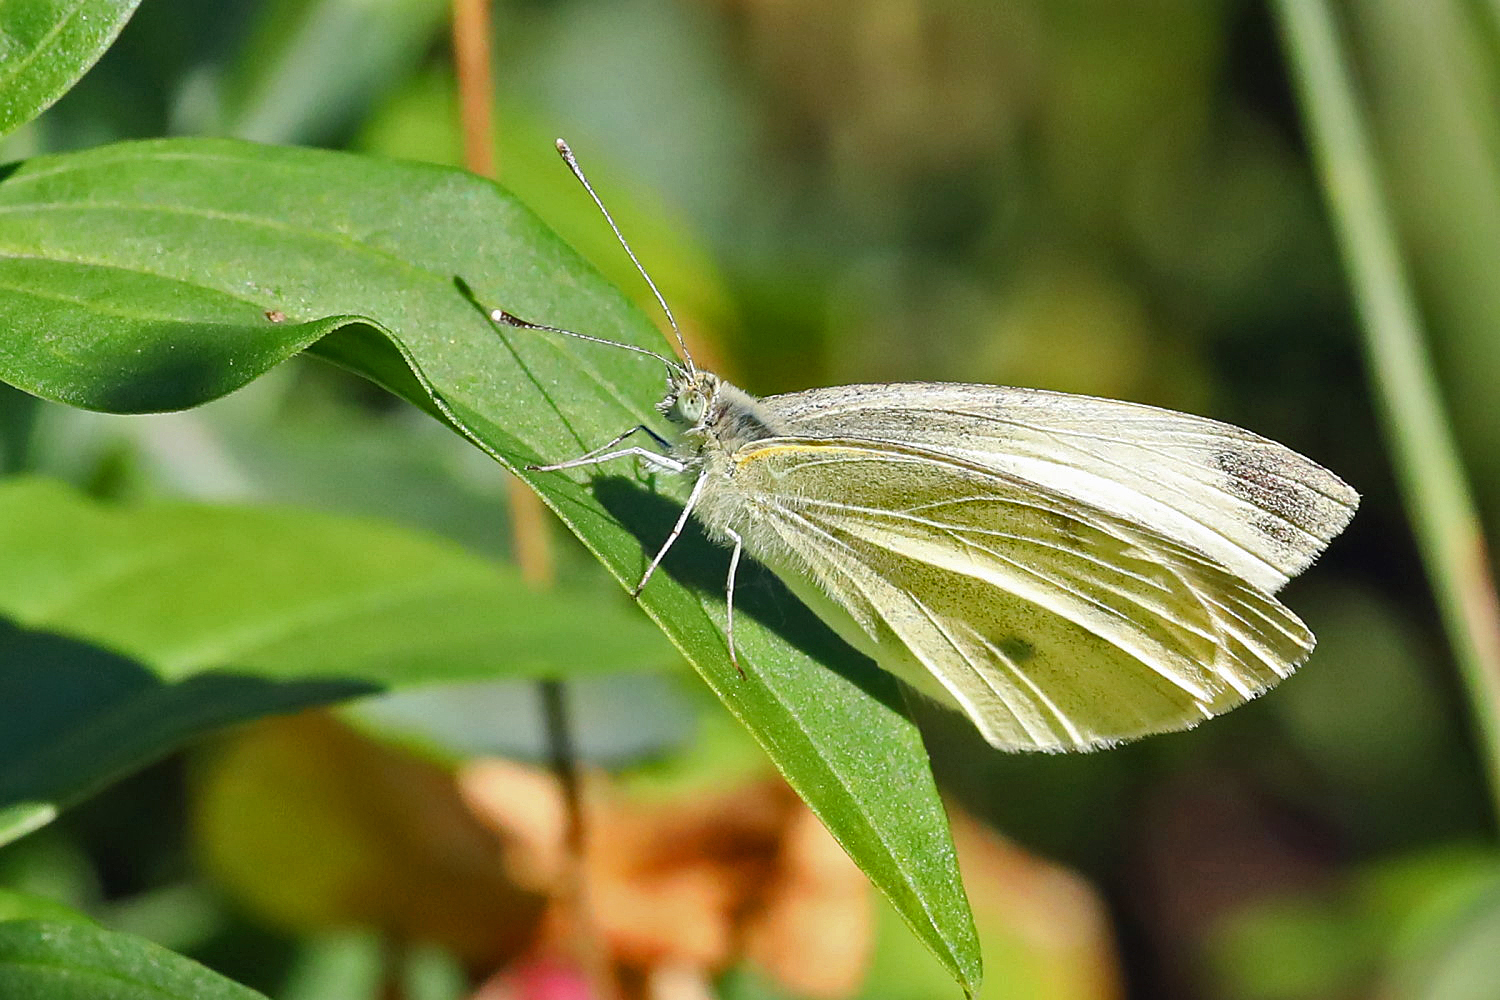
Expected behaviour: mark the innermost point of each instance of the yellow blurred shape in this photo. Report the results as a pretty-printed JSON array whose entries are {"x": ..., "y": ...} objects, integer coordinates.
[{"x": 315, "y": 827}]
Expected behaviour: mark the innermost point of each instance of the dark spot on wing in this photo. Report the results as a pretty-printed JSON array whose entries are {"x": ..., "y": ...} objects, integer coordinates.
[
  {"x": 1016, "y": 649},
  {"x": 1065, "y": 525}
]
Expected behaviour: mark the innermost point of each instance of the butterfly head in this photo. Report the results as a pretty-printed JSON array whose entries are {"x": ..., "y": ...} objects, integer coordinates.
[{"x": 690, "y": 397}]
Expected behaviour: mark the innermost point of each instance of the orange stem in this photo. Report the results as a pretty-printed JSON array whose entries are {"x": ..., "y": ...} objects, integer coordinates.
[{"x": 529, "y": 523}]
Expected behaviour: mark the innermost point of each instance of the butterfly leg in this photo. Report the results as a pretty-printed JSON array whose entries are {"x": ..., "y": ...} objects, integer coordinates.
[
  {"x": 734, "y": 565},
  {"x": 666, "y": 445},
  {"x": 687, "y": 510},
  {"x": 644, "y": 454}
]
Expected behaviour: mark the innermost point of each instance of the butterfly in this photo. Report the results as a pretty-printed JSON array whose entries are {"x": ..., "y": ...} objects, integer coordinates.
[{"x": 1068, "y": 571}]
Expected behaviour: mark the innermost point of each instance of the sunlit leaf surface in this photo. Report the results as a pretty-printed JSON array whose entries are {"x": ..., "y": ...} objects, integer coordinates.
[
  {"x": 162, "y": 274},
  {"x": 46, "y": 45}
]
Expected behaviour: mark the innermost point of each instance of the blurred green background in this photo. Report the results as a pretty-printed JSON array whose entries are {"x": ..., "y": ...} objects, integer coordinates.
[{"x": 1083, "y": 195}]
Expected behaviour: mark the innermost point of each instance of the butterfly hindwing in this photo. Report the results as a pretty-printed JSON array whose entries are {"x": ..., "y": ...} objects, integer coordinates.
[{"x": 1052, "y": 623}]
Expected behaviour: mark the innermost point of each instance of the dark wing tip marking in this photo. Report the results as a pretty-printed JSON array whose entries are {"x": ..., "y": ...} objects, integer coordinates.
[{"x": 1301, "y": 499}]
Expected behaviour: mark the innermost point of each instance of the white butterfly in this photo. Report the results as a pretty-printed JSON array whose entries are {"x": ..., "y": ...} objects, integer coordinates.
[{"x": 1067, "y": 571}]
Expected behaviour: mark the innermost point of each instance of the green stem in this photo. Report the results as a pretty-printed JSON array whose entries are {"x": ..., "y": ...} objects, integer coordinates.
[{"x": 1428, "y": 468}]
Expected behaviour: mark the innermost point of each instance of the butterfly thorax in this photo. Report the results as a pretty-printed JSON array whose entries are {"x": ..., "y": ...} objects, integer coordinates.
[
  {"x": 719, "y": 421},
  {"x": 718, "y": 417}
]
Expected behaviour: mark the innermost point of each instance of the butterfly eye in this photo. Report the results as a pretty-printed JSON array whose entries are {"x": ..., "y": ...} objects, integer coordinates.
[
  {"x": 682, "y": 406},
  {"x": 691, "y": 407}
]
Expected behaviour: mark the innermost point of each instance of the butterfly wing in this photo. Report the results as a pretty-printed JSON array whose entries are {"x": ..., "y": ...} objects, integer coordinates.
[
  {"x": 1053, "y": 624},
  {"x": 1254, "y": 506}
]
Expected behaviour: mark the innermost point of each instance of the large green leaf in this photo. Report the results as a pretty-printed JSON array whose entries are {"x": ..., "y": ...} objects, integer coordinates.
[
  {"x": 123, "y": 632},
  {"x": 46, "y": 45},
  {"x": 139, "y": 276},
  {"x": 73, "y": 961}
]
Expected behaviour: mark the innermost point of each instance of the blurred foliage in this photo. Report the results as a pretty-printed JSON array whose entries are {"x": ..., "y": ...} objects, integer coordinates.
[{"x": 1077, "y": 194}]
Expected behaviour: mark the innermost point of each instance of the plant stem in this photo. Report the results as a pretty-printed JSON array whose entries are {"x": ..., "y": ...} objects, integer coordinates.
[
  {"x": 471, "y": 63},
  {"x": 587, "y": 941},
  {"x": 471, "y": 48},
  {"x": 1428, "y": 467},
  {"x": 471, "y": 57}
]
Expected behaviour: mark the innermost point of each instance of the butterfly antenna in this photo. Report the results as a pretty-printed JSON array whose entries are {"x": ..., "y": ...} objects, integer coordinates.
[
  {"x": 501, "y": 316},
  {"x": 572, "y": 162}
]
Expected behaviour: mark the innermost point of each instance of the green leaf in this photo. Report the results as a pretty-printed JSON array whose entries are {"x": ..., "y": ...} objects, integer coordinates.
[
  {"x": 46, "y": 45},
  {"x": 127, "y": 631},
  {"x": 215, "y": 234},
  {"x": 20, "y": 818},
  {"x": 69, "y": 961},
  {"x": 25, "y": 906}
]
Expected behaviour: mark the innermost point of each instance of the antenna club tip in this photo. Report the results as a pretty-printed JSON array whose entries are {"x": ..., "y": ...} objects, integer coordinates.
[
  {"x": 563, "y": 147},
  {"x": 501, "y": 316}
]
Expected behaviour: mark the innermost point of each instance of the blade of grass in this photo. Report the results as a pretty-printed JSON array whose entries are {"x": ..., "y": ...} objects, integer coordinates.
[{"x": 1432, "y": 478}]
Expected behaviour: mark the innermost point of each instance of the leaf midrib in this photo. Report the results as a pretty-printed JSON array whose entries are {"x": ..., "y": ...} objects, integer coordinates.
[
  {"x": 43, "y": 44},
  {"x": 343, "y": 241},
  {"x": 254, "y": 638}
]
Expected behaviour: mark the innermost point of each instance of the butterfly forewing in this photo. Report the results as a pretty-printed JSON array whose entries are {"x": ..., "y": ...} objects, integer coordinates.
[
  {"x": 1053, "y": 623},
  {"x": 1256, "y": 507}
]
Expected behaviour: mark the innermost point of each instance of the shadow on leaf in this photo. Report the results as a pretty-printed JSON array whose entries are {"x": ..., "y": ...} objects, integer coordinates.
[
  {"x": 701, "y": 565},
  {"x": 74, "y": 716}
]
